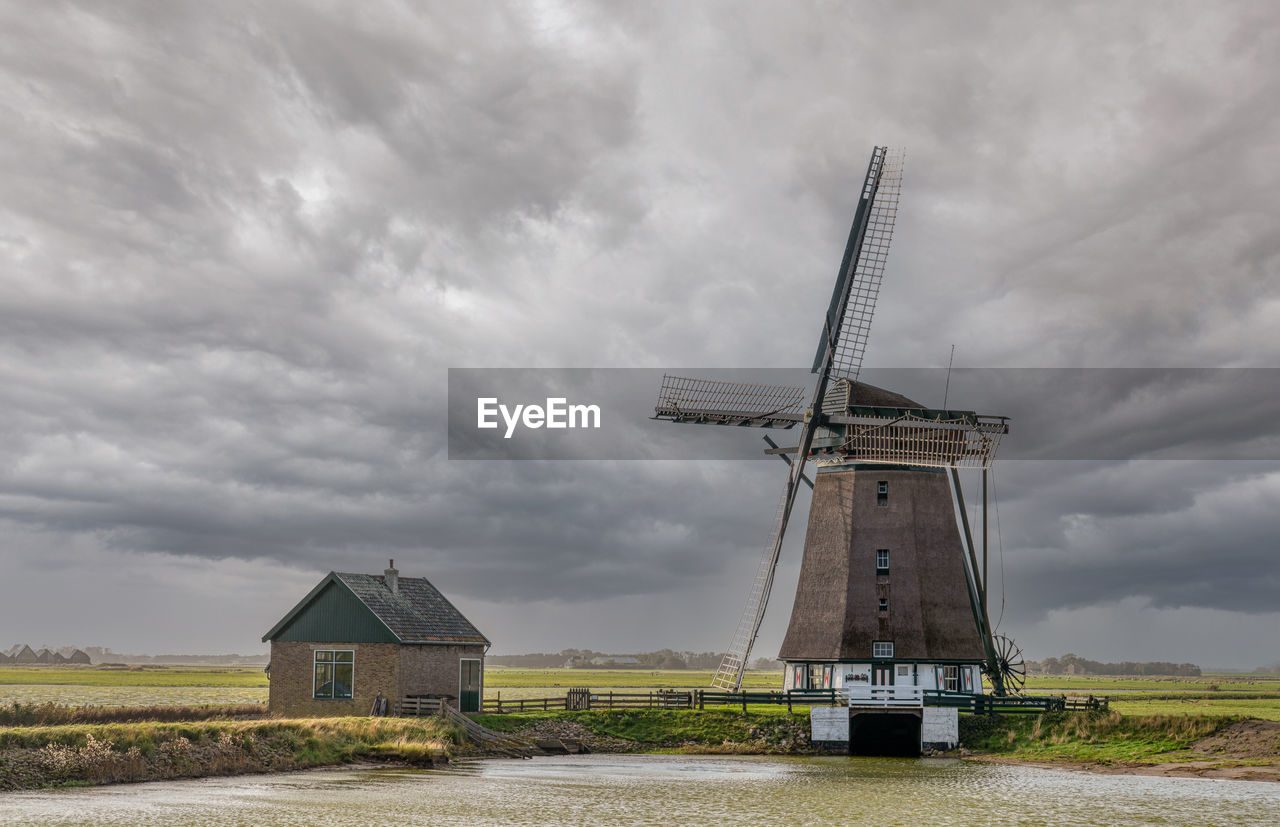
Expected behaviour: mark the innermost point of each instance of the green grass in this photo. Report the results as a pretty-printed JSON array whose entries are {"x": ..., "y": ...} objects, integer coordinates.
[
  {"x": 336, "y": 739},
  {"x": 1100, "y": 738},
  {"x": 148, "y": 676},
  {"x": 1267, "y": 709},
  {"x": 671, "y": 727},
  {"x": 105, "y": 753},
  {"x": 52, "y": 714},
  {"x": 1099, "y": 685},
  {"x": 502, "y": 677}
]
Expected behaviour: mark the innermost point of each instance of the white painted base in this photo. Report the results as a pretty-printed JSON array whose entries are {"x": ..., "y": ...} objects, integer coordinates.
[
  {"x": 940, "y": 728},
  {"x": 829, "y": 724}
]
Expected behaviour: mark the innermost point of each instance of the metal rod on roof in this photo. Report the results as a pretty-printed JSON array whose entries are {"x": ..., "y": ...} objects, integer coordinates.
[
  {"x": 985, "y": 613},
  {"x": 947, "y": 389}
]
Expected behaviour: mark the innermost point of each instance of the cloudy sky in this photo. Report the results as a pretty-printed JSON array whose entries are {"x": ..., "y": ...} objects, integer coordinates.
[{"x": 242, "y": 244}]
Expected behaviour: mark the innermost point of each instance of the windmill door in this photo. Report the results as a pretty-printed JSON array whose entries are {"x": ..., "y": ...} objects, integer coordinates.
[
  {"x": 469, "y": 685},
  {"x": 882, "y": 675}
]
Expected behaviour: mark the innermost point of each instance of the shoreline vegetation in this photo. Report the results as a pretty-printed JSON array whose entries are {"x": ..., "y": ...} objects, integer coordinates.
[
  {"x": 33, "y": 757},
  {"x": 214, "y": 741},
  {"x": 1224, "y": 725}
]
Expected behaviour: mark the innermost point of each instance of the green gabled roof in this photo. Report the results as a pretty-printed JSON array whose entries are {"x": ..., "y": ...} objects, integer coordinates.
[{"x": 359, "y": 608}]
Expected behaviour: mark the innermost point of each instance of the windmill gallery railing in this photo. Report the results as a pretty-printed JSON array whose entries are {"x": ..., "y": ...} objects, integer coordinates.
[
  {"x": 866, "y": 433},
  {"x": 582, "y": 698}
]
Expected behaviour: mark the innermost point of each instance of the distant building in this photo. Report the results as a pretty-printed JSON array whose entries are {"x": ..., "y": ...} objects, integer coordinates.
[
  {"x": 614, "y": 660},
  {"x": 357, "y": 638},
  {"x": 22, "y": 653}
]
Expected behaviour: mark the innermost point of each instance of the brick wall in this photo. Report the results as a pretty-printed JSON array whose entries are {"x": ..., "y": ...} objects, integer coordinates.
[
  {"x": 377, "y": 670},
  {"x": 433, "y": 669}
]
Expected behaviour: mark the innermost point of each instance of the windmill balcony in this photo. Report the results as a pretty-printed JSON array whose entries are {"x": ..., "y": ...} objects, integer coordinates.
[{"x": 868, "y": 695}]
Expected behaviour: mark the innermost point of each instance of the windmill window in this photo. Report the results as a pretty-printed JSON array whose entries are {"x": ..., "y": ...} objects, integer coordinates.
[
  {"x": 882, "y": 492},
  {"x": 951, "y": 678},
  {"x": 904, "y": 671},
  {"x": 882, "y": 559},
  {"x": 334, "y": 673},
  {"x": 884, "y": 605},
  {"x": 882, "y": 649}
]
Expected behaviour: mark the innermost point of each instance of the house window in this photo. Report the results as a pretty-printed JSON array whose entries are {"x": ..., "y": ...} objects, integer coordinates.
[
  {"x": 882, "y": 492},
  {"x": 882, "y": 649},
  {"x": 884, "y": 605},
  {"x": 819, "y": 676},
  {"x": 334, "y": 673},
  {"x": 882, "y": 559},
  {"x": 904, "y": 671},
  {"x": 951, "y": 678}
]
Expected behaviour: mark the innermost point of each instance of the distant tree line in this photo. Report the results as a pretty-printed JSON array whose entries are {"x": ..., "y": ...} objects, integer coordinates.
[
  {"x": 104, "y": 654},
  {"x": 591, "y": 659},
  {"x": 1073, "y": 664}
]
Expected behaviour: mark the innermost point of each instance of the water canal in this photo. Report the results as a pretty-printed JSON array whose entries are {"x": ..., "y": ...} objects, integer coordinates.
[{"x": 663, "y": 789}]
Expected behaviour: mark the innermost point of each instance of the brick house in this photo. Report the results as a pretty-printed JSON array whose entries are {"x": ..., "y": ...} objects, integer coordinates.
[{"x": 357, "y": 639}]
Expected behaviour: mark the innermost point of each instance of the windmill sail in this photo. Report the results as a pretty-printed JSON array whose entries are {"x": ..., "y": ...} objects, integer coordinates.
[
  {"x": 853, "y": 301},
  {"x": 844, "y": 337},
  {"x": 682, "y": 399}
]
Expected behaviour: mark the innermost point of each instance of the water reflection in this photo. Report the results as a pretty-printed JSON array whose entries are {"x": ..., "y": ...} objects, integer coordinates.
[{"x": 659, "y": 789}]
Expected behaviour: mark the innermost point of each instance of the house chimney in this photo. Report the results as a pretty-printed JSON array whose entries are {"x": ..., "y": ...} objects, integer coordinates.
[{"x": 392, "y": 577}]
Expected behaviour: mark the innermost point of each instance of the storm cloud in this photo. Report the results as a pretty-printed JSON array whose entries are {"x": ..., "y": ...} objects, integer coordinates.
[{"x": 243, "y": 244}]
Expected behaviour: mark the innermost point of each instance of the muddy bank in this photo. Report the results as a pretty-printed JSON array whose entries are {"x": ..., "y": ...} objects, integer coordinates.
[{"x": 1247, "y": 750}]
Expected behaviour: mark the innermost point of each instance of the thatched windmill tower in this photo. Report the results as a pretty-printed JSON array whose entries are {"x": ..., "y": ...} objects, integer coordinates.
[{"x": 891, "y": 593}]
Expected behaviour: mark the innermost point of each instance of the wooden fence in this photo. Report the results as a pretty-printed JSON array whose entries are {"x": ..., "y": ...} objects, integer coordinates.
[
  {"x": 582, "y": 698},
  {"x": 417, "y": 706}
]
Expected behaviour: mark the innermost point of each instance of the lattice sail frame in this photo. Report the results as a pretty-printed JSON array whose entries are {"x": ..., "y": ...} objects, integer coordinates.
[
  {"x": 868, "y": 270},
  {"x": 682, "y": 399},
  {"x": 729, "y": 675}
]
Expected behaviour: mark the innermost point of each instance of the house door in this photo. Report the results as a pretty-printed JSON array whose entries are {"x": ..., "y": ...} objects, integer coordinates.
[
  {"x": 882, "y": 675},
  {"x": 469, "y": 685}
]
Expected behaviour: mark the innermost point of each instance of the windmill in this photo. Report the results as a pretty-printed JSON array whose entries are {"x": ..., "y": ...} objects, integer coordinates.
[{"x": 886, "y": 488}]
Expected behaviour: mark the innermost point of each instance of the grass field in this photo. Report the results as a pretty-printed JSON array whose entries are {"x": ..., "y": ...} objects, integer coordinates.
[
  {"x": 503, "y": 677},
  {"x": 1255, "y": 696},
  {"x": 137, "y": 676},
  {"x": 1102, "y": 685},
  {"x": 1267, "y": 709}
]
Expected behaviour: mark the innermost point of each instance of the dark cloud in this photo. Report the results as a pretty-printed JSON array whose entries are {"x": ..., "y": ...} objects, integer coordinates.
[{"x": 242, "y": 244}]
